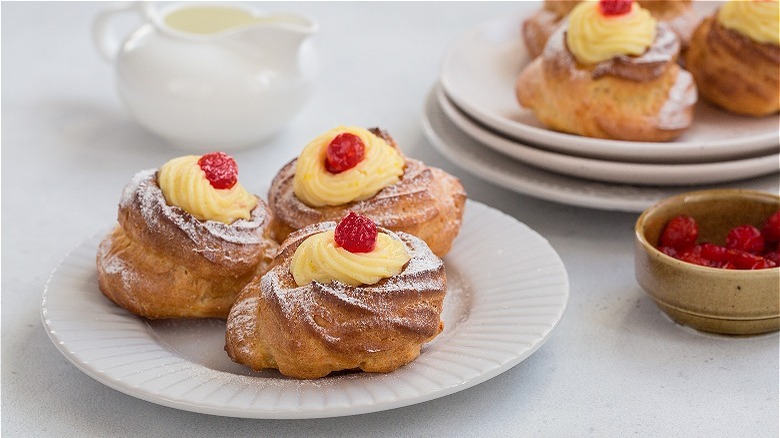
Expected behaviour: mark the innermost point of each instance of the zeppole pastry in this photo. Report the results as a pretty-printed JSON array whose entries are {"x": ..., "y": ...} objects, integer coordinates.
[
  {"x": 189, "y": 238},
  {"x": 360, "y": 170},
  {"x": 677, "y": 14},
  {"x": 735, "y": 57},
  {"x": 610, "y": 72},
  {"x": 536, "y": 30},
  {"x": 346, "y": 296}
]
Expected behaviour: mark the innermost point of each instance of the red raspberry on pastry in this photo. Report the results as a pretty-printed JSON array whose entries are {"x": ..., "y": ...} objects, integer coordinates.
[
  {"x": 221, "y": 169},
  {"x": 356, "y": 233},
  {"x": 615, "y": 7},
  {"x": 344, "y": 152}
]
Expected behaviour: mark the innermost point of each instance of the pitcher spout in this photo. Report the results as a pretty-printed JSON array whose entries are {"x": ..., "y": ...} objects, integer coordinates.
[
  {"x": 207, "y": 21},
  {"x": 292, "y": 22},
  {"x": 284, "y": 30}
]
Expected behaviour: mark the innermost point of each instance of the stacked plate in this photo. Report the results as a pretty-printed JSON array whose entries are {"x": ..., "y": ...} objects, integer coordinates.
[{"x": 472, "y": 117}]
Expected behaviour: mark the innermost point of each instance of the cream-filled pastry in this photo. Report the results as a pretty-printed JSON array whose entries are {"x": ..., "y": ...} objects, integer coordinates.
[
  {"x": 346, "y": 296},
  {"x": 610, "y": 72},
  {"x": 537, "y": 29},
  {"x": 189, "y": 238},
  {"x": 735, "y": 57},
  {"x": 356, "y": 169}
]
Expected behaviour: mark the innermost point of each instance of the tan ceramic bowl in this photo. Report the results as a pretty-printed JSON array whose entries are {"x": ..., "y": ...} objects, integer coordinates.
[{"x": 709, "y": 299}]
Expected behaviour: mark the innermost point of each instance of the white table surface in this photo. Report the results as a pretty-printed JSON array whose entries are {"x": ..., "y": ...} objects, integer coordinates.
[{"x": 615, "y": 365}]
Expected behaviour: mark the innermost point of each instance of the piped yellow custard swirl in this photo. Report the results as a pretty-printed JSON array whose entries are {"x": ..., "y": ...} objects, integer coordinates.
[
  {"x": 319, "y": 258},
  {"x": 759, "y": 20},
  {"x": 184, "y": 184},
  {"x": 592, "y": 37},
  {"x": 382, "y": 166}
]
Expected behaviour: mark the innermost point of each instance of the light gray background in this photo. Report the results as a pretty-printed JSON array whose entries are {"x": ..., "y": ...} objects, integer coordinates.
[{"x": 615, "y": 366}]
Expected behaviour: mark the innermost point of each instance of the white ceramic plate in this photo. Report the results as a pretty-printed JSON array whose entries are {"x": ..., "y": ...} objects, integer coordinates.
[
  {"x": 514, "y": 175},
  {"x": 612, "y": 171},
  {"x": 502, "y": 305},
  {"x": 479, "y": 72}
]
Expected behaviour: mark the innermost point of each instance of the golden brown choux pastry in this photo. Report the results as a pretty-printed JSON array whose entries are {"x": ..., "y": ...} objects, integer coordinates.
[
  {"x": 634, "y": 97},
  {"x": 308, "y": 328},
  {"x": 536, "y": 29},
  {"x": 162, "y": 261},
  {"x": 734, "y": 70},
  {"x": 420, "y": 200}
]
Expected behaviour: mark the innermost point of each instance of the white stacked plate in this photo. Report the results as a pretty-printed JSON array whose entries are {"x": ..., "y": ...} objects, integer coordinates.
[{"x": 472, "y": 117}]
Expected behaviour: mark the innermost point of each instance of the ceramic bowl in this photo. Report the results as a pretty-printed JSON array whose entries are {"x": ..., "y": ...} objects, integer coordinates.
[{"x": 726, "y": 301}]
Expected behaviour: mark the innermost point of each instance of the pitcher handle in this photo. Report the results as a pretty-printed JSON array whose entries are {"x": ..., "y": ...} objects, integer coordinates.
[{"x": 105, "y": 35}]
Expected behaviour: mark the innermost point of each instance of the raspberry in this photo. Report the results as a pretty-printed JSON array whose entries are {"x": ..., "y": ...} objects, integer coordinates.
[
  {"x": 220, "y": 168},
  {"x": 745, "y": 238},
  {"x": 344, "y": 152},
  {"x": 771, "y": 229},
  {"x": 615, "y": 7},
  {"x": 744, "y": 260},
  {"x": 356, "y": 233},
  {"x": 717, "y": 254},
  {"x": 746, "y": 247},
  {"x": 695, "y": 257},
  {"x": 668, "y": 250},
  {"x": 680, "y": 233},
  {"x": 774, "y": 257},
  {"x": 763, "y": 263}
]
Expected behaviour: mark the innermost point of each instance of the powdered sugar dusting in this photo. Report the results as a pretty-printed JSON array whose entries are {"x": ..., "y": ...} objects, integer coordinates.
[
  {"x": 674, "y": 114},
  {"x": 645, "y": 67},
  {"x": 115, "y": 266},
  {"x": 112, "y": 265},
  {"x": 144, "y": 192},
  {"x": 386, "y": 208},
  {"x": 410, "y": 301},
  {"x": 128, "y": 193},
  {"x": 241, "y": 323}
]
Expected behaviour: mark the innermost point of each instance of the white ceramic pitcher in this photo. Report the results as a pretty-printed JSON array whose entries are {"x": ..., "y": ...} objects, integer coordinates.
[{"x": 210, "y": 76}]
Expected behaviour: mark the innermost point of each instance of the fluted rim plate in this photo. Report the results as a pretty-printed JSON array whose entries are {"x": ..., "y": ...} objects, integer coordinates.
[
  {"x": 507, "y": 291},
  {"x": 618, "y": 172},
  {"x": 494, "y": 167},
  {"x": 480, "y": 69}
]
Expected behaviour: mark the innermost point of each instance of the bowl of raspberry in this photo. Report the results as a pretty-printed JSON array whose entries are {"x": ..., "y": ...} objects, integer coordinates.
[{"x": 709, "y": 259}]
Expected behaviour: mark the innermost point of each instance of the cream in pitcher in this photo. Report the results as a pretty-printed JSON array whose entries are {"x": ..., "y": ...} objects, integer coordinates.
[{"x": 205, "y": 75}]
